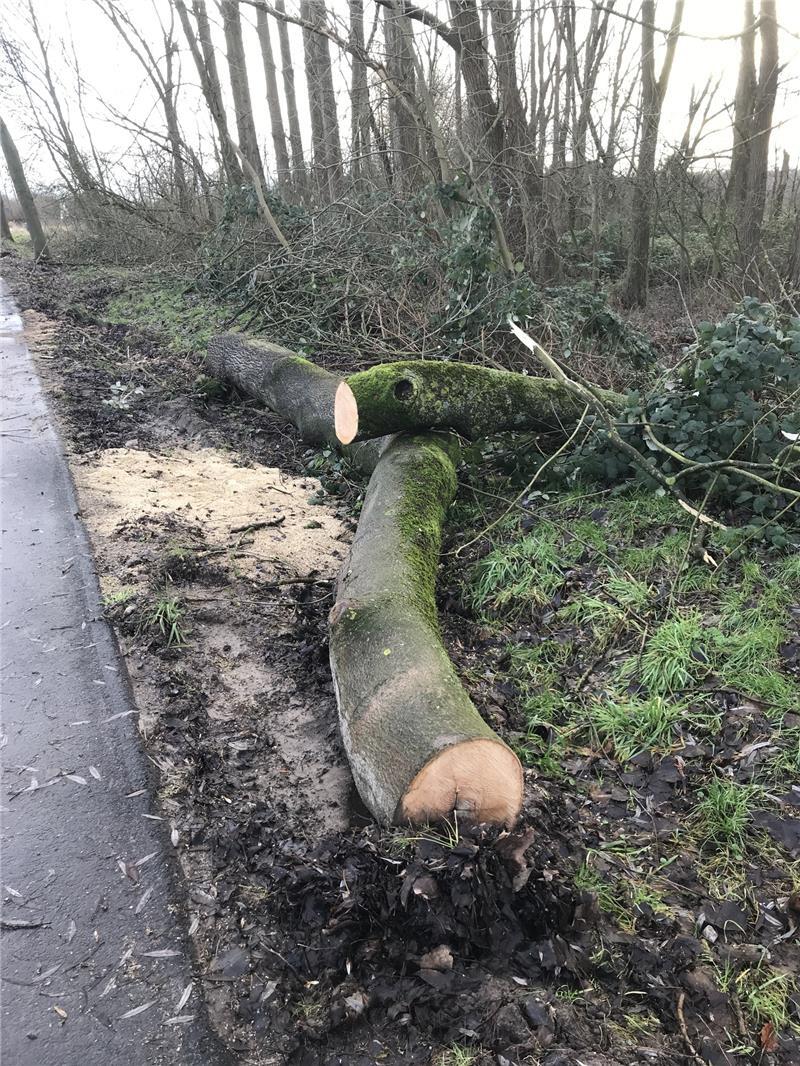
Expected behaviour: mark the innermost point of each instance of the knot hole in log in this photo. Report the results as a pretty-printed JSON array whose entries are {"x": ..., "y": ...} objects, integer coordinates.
[{"x": 404, "y": 389}]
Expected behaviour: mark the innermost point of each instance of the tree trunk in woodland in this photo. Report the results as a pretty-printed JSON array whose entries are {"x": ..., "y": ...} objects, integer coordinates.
[
  {"x": 287, "y": 71},
  {"x": 5, "y": 229},
  {"x": 205, "y": 62},
  {"x": 240, "y": 88},
  {"x": 751, "y": 214},
  {"x": 405, "y": 134},
  {"x": 359, "y": 95},
  {"x": 633, "y": 289},
  {"x": 322, "y": 103},
  {"x": 24, "y": 194},
  {"x": 273, "y": 100}
]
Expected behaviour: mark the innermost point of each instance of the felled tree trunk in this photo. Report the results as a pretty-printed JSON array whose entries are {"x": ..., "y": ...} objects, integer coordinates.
[
  {"x": 473, "y": 400},
  {"x": 418, "y": 749},
  {"x": 408, "y": 396},
  {"x": 306, "y": 395}
]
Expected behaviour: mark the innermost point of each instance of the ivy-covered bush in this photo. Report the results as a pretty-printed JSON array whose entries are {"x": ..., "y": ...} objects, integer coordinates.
[{"x": 736, "y": 400}]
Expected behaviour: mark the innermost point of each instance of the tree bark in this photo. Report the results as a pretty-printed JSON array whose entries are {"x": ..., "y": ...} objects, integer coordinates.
[
  {"x": 240, "y": 88},
  {"x": 331, "y": 143},
  {"x": 287, "y": 71},
  {"x": 473, "y": 400},
  {"x": 404, "y": 131},
  {"x": 751, "y": 217},
  {"x": 418, "y": 749},
  {"x": 24, "y": 195},
  {"x": 5, "y": 229},
  {"x": 633, "y": 289},
  {"x": 359, "y": 95},
  {"x": 410, "y": 396},
  {"x": 291, "y": 386},
  {"x": 205, "y": 62},
  {"x": 273, "y": 100}
]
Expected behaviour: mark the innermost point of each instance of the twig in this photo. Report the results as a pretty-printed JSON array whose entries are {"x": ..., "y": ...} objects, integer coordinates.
[
  {"x": 685, "y": 1032},
  {"x": 250, "y": 527},
  {"x": 590, "y": 397}
]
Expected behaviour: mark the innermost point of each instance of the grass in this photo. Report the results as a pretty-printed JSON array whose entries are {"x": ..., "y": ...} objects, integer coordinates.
[
  {"x": 723, "y": 815},
  {"x": 166, "y": 616},
  {"x": 674, "y": 659},
  {"x": 457, "y": 1055},
  {"x": 634, "y": 725},
  {"x": 187, "y": 319},
  {"x": 119, "y": 597},
  {"x": 518, "y": 575}
]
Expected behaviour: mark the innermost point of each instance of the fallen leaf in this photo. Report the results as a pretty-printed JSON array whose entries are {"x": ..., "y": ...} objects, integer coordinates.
[
  {"x": 769, "y": 1041},
  {"x": 95, "y": 773},
  {"x": 136, "y": 1010}
]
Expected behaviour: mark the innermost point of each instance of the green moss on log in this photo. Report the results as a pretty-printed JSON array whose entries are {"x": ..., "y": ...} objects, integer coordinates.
[
  {"x": 420, "y": 514},
  {"x": 475, "y": 401}
]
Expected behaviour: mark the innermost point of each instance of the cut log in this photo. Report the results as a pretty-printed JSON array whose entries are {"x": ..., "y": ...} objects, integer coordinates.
[
  {"x": 474, "y": 401},
  {"x": 319, "y": 404},
  {"x": 417, "y": 746},
  {"x": 413, "y": 396}
]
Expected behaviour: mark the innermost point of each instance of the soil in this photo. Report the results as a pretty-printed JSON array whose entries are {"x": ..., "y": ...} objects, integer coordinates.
[{"x": 321, "y": 939}]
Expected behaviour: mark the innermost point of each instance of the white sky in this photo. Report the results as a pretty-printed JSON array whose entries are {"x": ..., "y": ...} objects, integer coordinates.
[{"x": 114, "y": 76}]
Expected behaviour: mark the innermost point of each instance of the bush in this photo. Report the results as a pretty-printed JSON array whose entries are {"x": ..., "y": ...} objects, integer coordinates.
[{"x": 736, "y": 400}]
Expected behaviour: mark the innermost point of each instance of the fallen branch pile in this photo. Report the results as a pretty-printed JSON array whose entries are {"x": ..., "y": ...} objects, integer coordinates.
[{"x": 417, "y": 746}]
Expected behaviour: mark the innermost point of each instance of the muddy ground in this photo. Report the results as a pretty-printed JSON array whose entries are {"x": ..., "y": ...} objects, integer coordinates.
[{"x": 319, "y": 939}]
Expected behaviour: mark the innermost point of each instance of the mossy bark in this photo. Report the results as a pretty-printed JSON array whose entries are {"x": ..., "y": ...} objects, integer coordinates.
[
  {"x": 402, "y": 708},
  {"x": 474, "y": 401}
]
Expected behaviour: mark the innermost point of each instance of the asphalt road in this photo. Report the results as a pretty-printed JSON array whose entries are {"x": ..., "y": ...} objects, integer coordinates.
[{"x": 96, "y": 967}]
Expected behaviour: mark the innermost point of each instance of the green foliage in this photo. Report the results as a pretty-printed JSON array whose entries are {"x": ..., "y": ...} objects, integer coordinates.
[
  {"x": 166, "y": 617},
  {"x": 633, "y": 725},
  {"x": 723, "y": 815},
  {"x": 738, "y": 401}
]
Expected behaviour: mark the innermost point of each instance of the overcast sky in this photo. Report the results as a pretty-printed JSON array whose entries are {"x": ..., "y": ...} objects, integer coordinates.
[{"x": 114, "y": 78}]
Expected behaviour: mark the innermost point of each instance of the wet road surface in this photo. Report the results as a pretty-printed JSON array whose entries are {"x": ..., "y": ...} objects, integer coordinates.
[{"x": 96, "y": 967}]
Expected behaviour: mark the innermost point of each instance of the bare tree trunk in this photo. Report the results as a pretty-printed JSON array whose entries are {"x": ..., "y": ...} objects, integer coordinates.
[
  {"x": 781, "y": 183},
  {"x": 746, "y": 89},
  {"x": 5, "y": 229},
  {"x": 240, "y": 88},
  {"x": 400, "y": 66},
  {"x": 359, "y": 95},
  {"x": 24, "y": 194},
  {"x": 633, "y": 289},
  {"x": 322, "y": 101},
  {"x": 206, "y": 63},
  {"x": 273, "y": 100},
  {"x": 287, "y": 70},
  {"x": 333, "y": 143},
  {"x": 750, "y": 222}
]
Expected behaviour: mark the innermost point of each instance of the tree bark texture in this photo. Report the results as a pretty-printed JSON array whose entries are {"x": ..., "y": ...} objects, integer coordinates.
[
  {"x": 240, "y": 88},
  {"x": 474, "y": 401},
  {"x": 292, "y": 117},
  {"x": 273, "y": 100},
  {"x": 24, "y": 195},
  {"x": 418, "y": 749}
]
